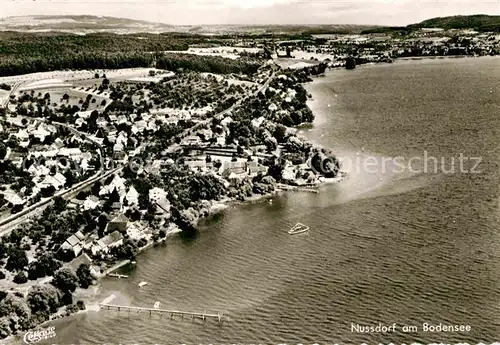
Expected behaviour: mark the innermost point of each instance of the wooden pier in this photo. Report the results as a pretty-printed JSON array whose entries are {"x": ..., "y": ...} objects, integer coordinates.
[
  {"x": 172, "y": 313},
  {"x": 296, "y": 188},
  {"x": 116, "y": 275}
]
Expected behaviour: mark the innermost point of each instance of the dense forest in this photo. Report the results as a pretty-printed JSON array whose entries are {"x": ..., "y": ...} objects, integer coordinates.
[
  {"x": 22, "y": 53},
  {"x": 213, "y": 64}
]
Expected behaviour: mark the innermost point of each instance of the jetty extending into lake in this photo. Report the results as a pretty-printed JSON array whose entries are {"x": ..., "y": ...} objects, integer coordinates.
[
  {"x": 116, "y": 275},
  {"x": 194, "y": 315},
  {"x": 296, "y": 188}
]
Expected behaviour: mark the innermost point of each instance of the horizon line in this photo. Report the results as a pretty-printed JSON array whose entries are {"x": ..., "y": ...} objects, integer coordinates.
[{"x": 235, "y": 24}]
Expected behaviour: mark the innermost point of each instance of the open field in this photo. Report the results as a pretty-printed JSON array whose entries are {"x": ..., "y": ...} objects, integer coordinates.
[
  {"x": 69, "y": 76},
  {"x": 226, "y": 52}
]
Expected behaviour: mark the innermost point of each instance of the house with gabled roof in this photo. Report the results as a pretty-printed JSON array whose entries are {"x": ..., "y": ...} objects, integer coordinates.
[
  {"x": 232, "y": 167},
  {"x": 119, "y": 223},
  {"x": 91, "y": 203},
  {"x": 112, "y": 240},
  {"x": 13, "y": 198},
  {"x": 118, "y": 147},
  {"x": 135, "y": 231},
  {"x": 57, "y": 181},
  {"x": 132, "y": 196},
  {"x": 41, "y": 132},
  {"x": 74, "y": 243},
  {"x": 57, "y": 144},
  {"x": 117, "y": 183}
]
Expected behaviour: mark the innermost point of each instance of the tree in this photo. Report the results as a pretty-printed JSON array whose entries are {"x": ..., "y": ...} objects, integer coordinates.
[
  {"x": 82, "y": 195},
  {"x": 3, "y": 150},
  {"x": 65, "y": 280},
  {"x": 70, "y": 178},
  {"x": 280, "y": 133},
  {"x": 5, "y": 330},
  {"x": 16, "y": 310},
  {"x": 59, "y": 204},
  {"x": 47, "y": 191},
  {"x": 20, "y": 278},
  {"x": 17, "y": 260},
  {"x": 96, "y": 188},
  {"x": 84, "y": 276},
  {"x": 134, "y": 214},
  {"x": 43, "y": 299},
  {"x": 80, "y": 304},
  {"x": 114, "y": 196},
  {"x": 350, "y": 63},
  {"x": 126, "y": 251},
  {"x": 46, "y": 265},
  {"x": 271, "y": 143}
]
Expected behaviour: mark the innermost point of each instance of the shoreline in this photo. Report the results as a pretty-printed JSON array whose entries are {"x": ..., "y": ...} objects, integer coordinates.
[{"x": 216, "y": 207}]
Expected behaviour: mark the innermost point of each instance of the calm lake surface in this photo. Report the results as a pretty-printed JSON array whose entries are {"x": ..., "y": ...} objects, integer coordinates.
[{"x": 386, "y": 247}]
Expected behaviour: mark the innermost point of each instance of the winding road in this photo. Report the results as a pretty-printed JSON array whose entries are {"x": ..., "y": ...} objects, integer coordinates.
[{"x": 8, "y": 224}]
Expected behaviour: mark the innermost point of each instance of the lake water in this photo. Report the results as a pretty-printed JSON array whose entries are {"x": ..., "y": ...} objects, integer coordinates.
[{"x": 403, "y": 246}]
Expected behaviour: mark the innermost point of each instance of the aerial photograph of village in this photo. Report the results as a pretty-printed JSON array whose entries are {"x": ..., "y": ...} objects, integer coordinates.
[{"x": 151, "y": 176}]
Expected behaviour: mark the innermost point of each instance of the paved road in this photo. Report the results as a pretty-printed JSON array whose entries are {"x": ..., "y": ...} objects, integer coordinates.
[
  {"x": 13, "y": 90},
  {"x": 9, "y": 224}
]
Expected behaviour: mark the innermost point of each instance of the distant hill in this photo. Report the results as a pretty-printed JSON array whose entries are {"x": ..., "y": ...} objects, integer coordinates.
[
  {"x": 80, "y": 24},
  {"x": 480, "y": 22},
  {"x": 84, "y": 24},
  {"x": 93, "y": 24}
]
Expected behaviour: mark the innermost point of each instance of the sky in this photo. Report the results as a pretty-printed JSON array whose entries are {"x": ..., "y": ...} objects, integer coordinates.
[{"x": 197, "y": 12}]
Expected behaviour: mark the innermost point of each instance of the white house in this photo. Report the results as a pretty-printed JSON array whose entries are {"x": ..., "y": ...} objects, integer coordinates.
[
  {"x": 157, "y": 195},
  {"x": 226, "y": 121},
  {"x": 135, "y": 231},
  {"x": 118, "y": 184},
  {"x": 79, "y": 122},
  {"x": 118, "y": 147},
  {"x": 112, "y": 240},
  {"x": 84, "y": 259},
  {"x": 74, "y": 243},
  {"x": 132, "y": 196},
  {"x": 14, "y": 199},
  {"x": 90, "y": 203},
  {"x": 57, "y": 144},
  {"x": 57, "y": 181},
  {"x": 22, "y": 134},
  {"x": 41, "y": 133},
  {"x": 191, "y": 140},
  {"x": 256, "y": 123},
  {"x": 74, "y": 153}
]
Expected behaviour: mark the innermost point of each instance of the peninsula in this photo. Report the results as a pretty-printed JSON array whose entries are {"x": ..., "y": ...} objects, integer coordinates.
[{"x": 110, "y": 143}]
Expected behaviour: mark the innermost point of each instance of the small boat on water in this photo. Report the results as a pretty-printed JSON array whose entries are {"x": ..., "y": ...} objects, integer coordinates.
[
  {"x": 156, "y": 305},
  {"x": 298, "y": 229},
  {"x": 141, "y": 284}
]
